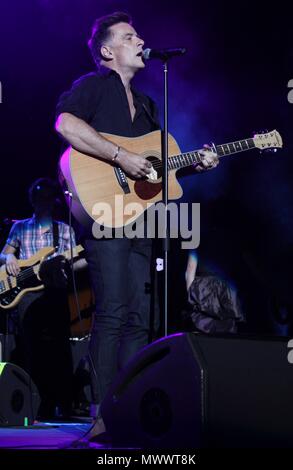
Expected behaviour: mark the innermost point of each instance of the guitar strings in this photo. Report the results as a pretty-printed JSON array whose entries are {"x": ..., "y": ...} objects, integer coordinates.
[
  {"x": 158, "y": 164},
  {"x": 24, "y": 274},
  {"x": 196, "y": 155}
]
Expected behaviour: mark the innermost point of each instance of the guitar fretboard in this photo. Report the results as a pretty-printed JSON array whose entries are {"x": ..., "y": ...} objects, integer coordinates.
[{"x": 176, "y": 162}]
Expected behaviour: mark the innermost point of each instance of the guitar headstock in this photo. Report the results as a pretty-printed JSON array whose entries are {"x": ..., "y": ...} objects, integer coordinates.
[{"x": 270, "y": 140}]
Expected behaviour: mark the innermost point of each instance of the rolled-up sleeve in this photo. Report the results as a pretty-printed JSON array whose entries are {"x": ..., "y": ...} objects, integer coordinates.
[
  {"x": 82, "y": 100},
  {"x": 14, "y": 236}
]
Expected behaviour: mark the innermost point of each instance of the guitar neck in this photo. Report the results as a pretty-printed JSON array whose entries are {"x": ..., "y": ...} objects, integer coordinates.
[{"x": 175, "y": 162}]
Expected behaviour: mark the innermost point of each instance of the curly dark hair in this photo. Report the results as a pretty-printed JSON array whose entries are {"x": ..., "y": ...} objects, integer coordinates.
[{"x": 101, "y": 32}]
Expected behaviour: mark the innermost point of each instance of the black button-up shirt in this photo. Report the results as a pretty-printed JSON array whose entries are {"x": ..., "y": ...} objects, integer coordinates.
[{"x": 100, "y": 100}]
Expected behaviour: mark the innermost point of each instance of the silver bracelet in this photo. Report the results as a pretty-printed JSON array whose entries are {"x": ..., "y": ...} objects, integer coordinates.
[{"x": 116, "y": 154}]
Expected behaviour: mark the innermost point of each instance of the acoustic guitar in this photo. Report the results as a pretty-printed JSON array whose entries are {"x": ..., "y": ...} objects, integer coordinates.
[{"x": 96, "y": 184}]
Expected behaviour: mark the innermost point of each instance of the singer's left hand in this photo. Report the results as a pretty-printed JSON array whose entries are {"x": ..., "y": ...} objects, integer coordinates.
[{"x": 209, "y": 159}]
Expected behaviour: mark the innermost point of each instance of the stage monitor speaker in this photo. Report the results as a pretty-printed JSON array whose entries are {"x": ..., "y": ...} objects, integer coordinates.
[
  {"x": 196, "y": 391},
  {"x": 19, "y": 398}
]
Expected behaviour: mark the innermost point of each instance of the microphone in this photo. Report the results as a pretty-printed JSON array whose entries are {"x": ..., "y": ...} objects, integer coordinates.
[{"x": 163, "y": 54}]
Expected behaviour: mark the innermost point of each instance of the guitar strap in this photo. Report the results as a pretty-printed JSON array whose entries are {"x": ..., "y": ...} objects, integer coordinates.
[{"x": 55, "y": 235}]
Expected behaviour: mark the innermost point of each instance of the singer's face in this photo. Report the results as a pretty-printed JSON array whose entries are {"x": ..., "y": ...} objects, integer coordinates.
[{"x": 126, "y": 47}]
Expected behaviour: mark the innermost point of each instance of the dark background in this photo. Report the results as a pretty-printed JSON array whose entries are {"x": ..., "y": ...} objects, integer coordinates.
[{"x": 231, "y": 83}]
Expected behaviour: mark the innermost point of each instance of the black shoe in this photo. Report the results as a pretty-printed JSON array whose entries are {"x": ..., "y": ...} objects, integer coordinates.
[{"x": 103, "y": 439}]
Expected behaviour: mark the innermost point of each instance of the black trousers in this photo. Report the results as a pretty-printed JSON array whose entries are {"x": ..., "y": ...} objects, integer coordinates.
[{"x": 121, "y": 275}]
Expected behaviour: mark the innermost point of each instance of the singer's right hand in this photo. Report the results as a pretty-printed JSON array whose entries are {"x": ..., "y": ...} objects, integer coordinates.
[
  {"x": 134, "y": 165},
  {"x": 12, "y": 266}
]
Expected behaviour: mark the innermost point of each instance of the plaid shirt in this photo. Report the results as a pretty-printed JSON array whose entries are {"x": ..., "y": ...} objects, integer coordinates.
[{"x": 28, "y": 236}]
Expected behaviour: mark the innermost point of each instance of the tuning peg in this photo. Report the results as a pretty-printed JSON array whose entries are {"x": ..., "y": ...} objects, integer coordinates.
[{"x": 261, "y": 131}]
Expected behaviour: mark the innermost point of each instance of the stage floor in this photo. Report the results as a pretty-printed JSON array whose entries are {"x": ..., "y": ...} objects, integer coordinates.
[{"x": 48, "y": 436}]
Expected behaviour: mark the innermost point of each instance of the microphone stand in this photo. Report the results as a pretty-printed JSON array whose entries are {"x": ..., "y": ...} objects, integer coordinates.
[
  {"x": 166, "y": 239},
  {"x": 165, "y": 56}
]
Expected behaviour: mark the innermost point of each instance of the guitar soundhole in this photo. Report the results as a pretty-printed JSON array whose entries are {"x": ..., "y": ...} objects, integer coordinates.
[{"x": 147, "y": 189}]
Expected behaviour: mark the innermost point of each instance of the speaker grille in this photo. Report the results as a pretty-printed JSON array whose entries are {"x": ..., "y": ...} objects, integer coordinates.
[{"x": 156, "y": 412}]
